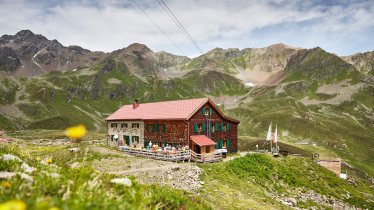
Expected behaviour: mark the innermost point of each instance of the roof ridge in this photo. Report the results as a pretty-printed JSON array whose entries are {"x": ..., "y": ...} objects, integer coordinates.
[{"x": 169, "y": 101}]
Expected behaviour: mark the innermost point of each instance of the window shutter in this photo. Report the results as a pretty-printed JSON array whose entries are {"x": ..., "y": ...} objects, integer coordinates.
[
  {"x": 203, "y": 127},
  {"x": 146, "y": 127},
  {"x": 228, "y": 143},
  {"x": 216, "y": 126},
  {"x": 228, "y": 126},
  {"x": 210, "y": 111},
  {"x": 221, "y": 126},
  {"x": 196, "y": 128},
  {"x": 217, "y": 142},
  {"x": 203, "y": 111},
  {"x": 156, "y": 127},
  {"x": 163, "y": 128}
]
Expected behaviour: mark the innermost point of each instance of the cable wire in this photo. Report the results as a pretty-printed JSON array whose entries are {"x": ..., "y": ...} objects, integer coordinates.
[
  {"x": 178, "y": 23},
  {"x": 159, "y": 28}
]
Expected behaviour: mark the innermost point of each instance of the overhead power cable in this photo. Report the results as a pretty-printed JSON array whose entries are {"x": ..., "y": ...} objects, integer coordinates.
[
  {"x": 179, "y": 24},
  {"x": 159, "y": 28}
]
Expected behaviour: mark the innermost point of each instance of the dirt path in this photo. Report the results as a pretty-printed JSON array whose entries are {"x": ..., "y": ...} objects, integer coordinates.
[{"x": 183, "y": 176}]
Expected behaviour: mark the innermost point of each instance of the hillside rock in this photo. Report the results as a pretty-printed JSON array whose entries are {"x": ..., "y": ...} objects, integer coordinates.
[{"x": 8, "y": 59}]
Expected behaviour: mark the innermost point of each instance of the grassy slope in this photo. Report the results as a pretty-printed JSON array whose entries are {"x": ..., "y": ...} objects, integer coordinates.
[
  {"x": 254, "y": 180},
  {"x": 82, "y": 187}
]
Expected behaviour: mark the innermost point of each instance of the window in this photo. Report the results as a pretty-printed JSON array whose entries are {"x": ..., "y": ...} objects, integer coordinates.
[
  {"x": 123, "y": 125},
  {"x": 216, "y": 126},
  {"x": 113, "y": 125},
  {"x": 135, "y": 138},
  {"x": 213, "y": 128},
  {"x": 206, "y": 111},
  {"x": 112, "y": 137},
  {"x": 224, "y": 144},
  {"x": 196, "y": 128},
  {"x": 135, "y": 125},
  {"x": 164, "y": 128},
  {"x": 203, "y": 111},
  {"x": 200, "y": 128},
  {"x": 147, "y": 127},
  {"x": 207, "y": 149}
]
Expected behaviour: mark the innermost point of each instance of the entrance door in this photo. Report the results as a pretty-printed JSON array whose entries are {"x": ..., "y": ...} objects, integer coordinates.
[
  {"x": 127, "y": 140},
  {"x": 196, "y": 149}
]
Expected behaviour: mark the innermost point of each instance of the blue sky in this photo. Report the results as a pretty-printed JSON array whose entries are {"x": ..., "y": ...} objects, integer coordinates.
[{"x": 343, "y": 27}]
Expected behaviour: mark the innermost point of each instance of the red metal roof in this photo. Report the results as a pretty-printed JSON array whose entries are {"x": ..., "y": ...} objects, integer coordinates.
[
  {"x": 202, "y": 140},
  {"x": 180, "y": 109}
]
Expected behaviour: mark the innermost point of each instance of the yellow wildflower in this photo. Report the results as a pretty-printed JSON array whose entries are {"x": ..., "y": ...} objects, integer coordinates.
[
  {"x": 49, "y": 161},
  {"x": 53, "y": 208},
  {"x": 38, "y": 158},
  {"x": 5, "y": 184},
  {"x": 76, "y": 132},
  {"x": 13, "y": 205}
]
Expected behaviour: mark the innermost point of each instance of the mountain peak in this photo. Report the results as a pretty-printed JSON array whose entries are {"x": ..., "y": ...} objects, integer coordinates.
[
  {"x": 136, "y": 47},
  {"x": 24, "y": 32}
]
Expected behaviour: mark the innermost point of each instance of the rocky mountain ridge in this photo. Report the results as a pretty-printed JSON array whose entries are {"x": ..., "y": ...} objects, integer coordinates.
[{"x": 29, "y": 54}]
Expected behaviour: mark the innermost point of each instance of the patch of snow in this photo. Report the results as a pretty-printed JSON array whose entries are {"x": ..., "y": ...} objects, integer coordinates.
[
  {"x": 250, "y": 84},
  {"x": 74, "y": 69},
  {"x": 33, "y": 58},
  {"x": 23, "y": 65}
]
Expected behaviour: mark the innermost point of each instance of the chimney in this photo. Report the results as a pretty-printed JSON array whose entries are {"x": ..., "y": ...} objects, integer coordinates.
[{"x": 135, "y": 104}]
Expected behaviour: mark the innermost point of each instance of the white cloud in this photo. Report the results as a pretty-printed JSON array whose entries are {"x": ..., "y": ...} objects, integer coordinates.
[{"x": 110, "y": 25}]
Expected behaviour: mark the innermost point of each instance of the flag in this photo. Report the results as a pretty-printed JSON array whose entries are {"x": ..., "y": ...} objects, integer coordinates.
[
  {"x": 268, "y": 137},
  {"x": 275, "y": 135}
]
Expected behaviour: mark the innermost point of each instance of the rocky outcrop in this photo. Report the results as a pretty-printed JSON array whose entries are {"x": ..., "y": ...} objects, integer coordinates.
[
  {"x": 9, "y": 60},
  {"x": 364, "y": 62},
  {"x": 29, "y": 54}
]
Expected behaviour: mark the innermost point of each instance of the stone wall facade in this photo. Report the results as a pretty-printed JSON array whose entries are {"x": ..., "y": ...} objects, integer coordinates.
[{"x": 135, "y": 135}]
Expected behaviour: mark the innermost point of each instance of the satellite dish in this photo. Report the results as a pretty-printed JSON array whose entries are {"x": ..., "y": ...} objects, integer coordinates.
[{"x": 116, "y": 136}]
